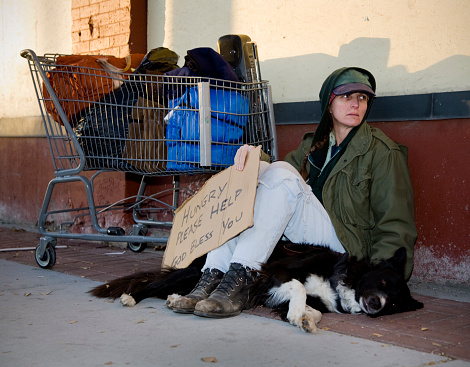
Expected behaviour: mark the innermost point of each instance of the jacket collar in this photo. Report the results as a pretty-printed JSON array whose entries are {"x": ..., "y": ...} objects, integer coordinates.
[
  {"x": 358, "y": 145},
  {"x": 361, "y": 141}
]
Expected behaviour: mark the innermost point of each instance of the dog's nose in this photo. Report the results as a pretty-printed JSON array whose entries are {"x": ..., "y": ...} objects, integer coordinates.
[{"x": 374, "y": 303}]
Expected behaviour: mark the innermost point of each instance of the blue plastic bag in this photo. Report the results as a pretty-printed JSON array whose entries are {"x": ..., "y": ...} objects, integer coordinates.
[
  {"x": 226, "y": 105},
  {"x": 185, "y": 156},
  {"x": 229, "y": 113},
  {"x": 184, "y": 125}
]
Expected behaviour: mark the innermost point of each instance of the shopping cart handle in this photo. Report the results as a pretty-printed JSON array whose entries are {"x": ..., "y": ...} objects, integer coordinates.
[{"x": 26, "y": 54}]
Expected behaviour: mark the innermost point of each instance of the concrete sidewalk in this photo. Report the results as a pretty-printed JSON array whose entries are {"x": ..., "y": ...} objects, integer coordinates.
[
  {"x": 441, "y": 328},
  {"x": 48, "y": 319}
]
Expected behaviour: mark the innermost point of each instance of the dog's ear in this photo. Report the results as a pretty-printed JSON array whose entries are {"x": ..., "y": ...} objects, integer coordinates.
[
  {"x": 340, "y": 271},
  {"x": 398, "y": 260},
  {"x": 341, "y": 266}
]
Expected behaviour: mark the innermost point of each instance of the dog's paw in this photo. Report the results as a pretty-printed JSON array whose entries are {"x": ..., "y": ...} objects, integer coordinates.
[
  {"x": 348, "y": 299},
  {"x": 308, "y": 320},
  {"x": 181, "y": 304},
  {"x": 171, "y": 300},
  {"x": 356, "y": 309},
  {"x": 127, "y": 300}
]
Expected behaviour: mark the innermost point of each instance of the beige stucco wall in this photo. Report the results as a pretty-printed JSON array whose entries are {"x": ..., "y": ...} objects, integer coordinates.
[
  {"x": 41, "y": 25},
  {"x": 411, "y": 46}
]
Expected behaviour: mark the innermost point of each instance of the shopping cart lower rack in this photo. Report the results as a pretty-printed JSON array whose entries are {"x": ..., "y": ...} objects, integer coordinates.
[{"x": 101, "y": 119}]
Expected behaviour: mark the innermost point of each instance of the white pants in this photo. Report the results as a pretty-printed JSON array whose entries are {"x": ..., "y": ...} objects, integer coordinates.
[{"x": 284, "y": 206}]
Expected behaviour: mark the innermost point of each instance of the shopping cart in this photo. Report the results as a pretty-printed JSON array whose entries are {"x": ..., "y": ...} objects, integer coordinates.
[{"x": 148, "y": 125}]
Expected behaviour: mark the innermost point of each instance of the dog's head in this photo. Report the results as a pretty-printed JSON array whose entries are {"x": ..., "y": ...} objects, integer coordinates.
[{"x": 383, "y": 290}]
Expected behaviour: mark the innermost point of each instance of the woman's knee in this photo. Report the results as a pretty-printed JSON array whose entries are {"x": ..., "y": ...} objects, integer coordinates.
[
  {"x": 282, "y": 173},
  {"x": 282, "y": 165}
]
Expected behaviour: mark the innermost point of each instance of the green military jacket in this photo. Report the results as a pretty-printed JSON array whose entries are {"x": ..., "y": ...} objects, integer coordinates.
[{"x": 369, "y": 196}]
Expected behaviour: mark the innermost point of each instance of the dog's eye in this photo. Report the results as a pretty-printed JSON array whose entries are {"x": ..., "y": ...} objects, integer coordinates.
[{"x": 384, "y": 283}]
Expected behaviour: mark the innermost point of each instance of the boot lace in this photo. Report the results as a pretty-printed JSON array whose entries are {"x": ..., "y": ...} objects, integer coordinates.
[
  {"x": 236, "y": 275},
  {"x": 208, "y": 277}
]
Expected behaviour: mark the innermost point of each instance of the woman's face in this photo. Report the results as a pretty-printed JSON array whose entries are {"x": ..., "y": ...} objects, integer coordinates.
[{"x": 348, "y": 110}]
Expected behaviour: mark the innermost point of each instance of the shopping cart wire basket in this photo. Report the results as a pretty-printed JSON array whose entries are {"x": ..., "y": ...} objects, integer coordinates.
[{"x": 103, "y": 120}]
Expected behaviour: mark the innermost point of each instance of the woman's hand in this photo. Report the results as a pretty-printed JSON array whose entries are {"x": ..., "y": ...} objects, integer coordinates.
[{"x": 240, "y": 157}]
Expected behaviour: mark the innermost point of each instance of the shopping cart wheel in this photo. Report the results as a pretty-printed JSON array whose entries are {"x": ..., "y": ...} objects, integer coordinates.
[
  {"x": 47, "y": 260},
  {"x": 137, "y": 247},
  {"x": 138, "y": 230}
]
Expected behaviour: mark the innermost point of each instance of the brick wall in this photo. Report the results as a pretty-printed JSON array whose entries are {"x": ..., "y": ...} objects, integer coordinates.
[{"x": 109, "y": 27}]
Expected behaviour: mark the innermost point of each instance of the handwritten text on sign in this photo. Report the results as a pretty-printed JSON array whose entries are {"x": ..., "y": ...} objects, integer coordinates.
[{"x": 219, "y": 211}]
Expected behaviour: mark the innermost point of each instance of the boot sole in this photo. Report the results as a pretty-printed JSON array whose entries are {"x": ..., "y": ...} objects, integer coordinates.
[
  {"x": 216, "y": 315},
  {"x": 182, "y": 311}
]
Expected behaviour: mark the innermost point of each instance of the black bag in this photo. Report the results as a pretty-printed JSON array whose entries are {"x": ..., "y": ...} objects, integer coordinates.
[{"x": 103, "y": 128}]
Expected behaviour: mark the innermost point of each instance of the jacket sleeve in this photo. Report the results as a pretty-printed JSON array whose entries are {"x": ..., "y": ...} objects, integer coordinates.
[
  {"x": 265, "y": 157},
  {"x": 295, "y": 158},
  {"x": 393, "y": 209}
]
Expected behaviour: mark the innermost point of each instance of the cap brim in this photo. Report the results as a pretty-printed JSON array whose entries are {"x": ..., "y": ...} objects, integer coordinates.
[{"x": 353, "y": 88}]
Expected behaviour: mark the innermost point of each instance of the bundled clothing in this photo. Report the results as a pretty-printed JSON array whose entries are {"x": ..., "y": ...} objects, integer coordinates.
[
  {"x": 205, "y": 62},
  {"x": 79, "y": 81}
]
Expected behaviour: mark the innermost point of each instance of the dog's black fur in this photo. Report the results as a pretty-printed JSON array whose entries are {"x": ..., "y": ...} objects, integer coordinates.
[{"x": 332, "y": 282}]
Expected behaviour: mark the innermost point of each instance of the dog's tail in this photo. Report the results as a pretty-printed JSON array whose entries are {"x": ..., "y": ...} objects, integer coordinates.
[
  {"x": 158, "y": 283},
  {"x": 128, "y": 284}
]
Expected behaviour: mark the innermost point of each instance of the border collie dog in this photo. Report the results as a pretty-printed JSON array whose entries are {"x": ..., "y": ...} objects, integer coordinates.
[
  {"x": 298, "y": 282},
  {"x": 315, "y": 279}
]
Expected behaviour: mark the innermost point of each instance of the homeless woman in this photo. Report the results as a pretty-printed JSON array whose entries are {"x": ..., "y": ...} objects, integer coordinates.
[{"x": 347, "y": 187}]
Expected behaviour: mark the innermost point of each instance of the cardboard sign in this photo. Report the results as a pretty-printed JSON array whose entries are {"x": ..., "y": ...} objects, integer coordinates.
[{"x": 219, "y": 211}]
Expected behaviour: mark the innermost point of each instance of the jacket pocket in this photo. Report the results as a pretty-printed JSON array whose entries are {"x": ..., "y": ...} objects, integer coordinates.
[{"x": 354, "y": 197}]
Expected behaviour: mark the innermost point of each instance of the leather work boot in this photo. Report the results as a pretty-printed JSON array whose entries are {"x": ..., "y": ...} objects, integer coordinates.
[
  {"x": 209, "y": 280},
  {"x": 231, "y": 295}
]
